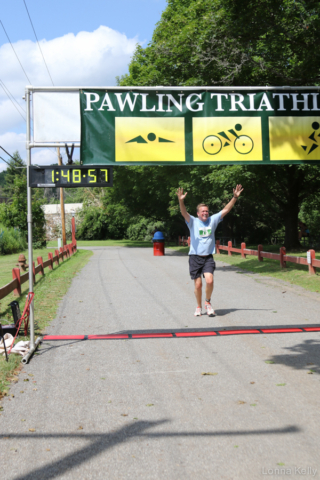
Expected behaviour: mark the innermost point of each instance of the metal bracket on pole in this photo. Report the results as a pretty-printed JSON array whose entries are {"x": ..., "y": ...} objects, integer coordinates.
[{"x": 69, "y": 155}]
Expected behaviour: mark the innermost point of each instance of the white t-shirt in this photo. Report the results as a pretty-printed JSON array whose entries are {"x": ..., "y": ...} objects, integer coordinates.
[{"x": 202, "y": 234}]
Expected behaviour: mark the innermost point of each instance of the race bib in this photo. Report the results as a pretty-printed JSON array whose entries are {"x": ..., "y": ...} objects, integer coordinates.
[{"x": 204, "y": 232}]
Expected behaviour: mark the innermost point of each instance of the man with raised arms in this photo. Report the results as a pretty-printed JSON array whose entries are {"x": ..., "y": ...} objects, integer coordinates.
[{"x": 202, "y": 245}]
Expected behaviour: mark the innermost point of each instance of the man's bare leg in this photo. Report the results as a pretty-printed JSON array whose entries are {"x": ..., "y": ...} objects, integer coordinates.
[
  {"x": 209, "y": 285},
  {"x": 198, "y": 290}
]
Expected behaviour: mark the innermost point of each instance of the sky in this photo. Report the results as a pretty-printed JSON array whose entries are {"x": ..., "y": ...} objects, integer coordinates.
[{"x": 85, "y": 43}]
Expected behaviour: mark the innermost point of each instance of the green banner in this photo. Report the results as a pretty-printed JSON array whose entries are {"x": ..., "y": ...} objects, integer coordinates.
[{"x": 199, "y": 126}]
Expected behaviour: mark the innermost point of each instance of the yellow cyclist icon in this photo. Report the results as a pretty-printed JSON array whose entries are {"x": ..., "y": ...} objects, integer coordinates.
[{"x": 243, "y": 144}]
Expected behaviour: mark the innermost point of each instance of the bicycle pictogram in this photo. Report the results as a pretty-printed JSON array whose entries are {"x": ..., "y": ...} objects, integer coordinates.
[{"x": 213, "y": 144}]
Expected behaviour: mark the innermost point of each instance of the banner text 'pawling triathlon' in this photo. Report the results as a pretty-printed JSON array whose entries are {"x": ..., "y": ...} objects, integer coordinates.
[{"x": 199, "y": 126}]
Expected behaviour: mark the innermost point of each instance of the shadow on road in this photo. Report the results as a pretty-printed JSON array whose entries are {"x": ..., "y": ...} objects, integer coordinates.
[
  {"x": 303, "y": 356},
  {"x": 221, "y": 312},
  {"x": 100, "y": 443}
]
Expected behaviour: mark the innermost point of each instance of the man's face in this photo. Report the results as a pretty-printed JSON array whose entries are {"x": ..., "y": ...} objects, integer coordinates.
[{"x": 203, "y": 213}]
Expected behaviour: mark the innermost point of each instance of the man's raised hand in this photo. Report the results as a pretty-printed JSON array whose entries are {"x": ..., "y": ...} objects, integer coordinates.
[
  {"x": 181, "y": 196},
  {"x": 237, "y": 191}
]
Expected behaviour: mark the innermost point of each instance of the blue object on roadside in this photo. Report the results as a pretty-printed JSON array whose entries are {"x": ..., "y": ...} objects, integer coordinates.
[{"x": 158, "y": 237}]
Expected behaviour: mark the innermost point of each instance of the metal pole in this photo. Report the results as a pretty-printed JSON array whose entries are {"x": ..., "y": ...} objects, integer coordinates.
[
  {"x": 27, "y": 357},
  {"x": 29, "y": 219},
  {"x": 209, "y": 89},
  {"x": 63, "y": 221}
]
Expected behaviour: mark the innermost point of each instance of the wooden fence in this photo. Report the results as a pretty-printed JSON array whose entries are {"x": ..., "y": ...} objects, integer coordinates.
[
  {"x": 18, "y": 279},
  {"x": 184, "y": 241},
  {"x": 282, "y": 257}
]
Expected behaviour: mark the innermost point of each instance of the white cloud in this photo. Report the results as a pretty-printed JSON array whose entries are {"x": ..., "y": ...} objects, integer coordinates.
[
  {"x": 86, "y": 59},
  {"x": 10, "y": 117}
]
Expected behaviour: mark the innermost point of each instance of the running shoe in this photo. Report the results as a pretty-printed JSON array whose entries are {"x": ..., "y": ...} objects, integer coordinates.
[
  {"x": 197, "y": 313},
  {"x": 210, "y": 311}
]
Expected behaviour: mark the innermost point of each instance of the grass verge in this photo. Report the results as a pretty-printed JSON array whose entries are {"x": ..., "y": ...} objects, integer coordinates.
[
  {"x": 8, "y": 262},
  {"x": 106, "y": 243},
  {"x": 294, "y": 274},
  {"x": 110, "y": 243},
  {"x": 49, "y": 290}
]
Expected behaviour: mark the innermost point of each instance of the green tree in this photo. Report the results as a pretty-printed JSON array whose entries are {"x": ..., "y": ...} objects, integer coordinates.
[
  {"x": 15, "y": 168},
  {"x": 223, "y": 42},
  {"x": 254, "y": 42},
  {"x": 14, "y": 213}
]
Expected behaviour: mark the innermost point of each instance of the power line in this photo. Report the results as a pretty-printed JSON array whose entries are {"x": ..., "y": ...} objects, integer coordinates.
[
  {"x": 14, "y": 166},
  {"x": 8, "y": 93},
  {"x": 10, "y": 155},
  {"x": 38, "y": 42},
  {"x": 5, "y": 161},
  {"x": 15, "y": 53},
  {"x": 15, "y": 100}
]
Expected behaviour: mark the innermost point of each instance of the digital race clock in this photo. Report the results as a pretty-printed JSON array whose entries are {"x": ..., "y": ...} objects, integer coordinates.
[{"x": 70, "y": 176}]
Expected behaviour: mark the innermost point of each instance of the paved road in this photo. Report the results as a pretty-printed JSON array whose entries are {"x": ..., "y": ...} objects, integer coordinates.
[{"x": 129, "y": 409}]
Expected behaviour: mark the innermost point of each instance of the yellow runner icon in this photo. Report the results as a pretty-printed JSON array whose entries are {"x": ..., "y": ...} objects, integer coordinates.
[{"x": 294, "y": 138}]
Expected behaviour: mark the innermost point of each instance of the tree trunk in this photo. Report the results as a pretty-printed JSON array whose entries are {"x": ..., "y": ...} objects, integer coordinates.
[
  {"x": 291, "y": 208},
  {"x": 291, "y": 239}
]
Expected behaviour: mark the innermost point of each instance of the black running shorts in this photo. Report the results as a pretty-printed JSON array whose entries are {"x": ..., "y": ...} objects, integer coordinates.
[{"x": 200, "y": 265}]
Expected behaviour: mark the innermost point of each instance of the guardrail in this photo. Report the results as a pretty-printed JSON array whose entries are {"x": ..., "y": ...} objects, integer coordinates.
[
  {"x": 18, "y": 279},
  {"x": 283, "y": 258}
]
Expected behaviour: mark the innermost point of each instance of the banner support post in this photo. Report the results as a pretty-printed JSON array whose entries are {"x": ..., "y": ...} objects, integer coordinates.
[{"x": 29, "y": 220}]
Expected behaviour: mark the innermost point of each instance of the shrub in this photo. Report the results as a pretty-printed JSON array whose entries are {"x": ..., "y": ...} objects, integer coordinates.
[
  {"x": 143, "y": 228},
  {"x": 102, "y": 223},
  {"x": 11, "y": 241}
]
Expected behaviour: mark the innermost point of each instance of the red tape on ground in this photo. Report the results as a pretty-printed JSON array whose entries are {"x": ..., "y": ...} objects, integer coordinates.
[
  {"x": 239, "y": 331},
  {"x": 63, "y": 337},
  {"x": 106, "y": 337},
  {"x": 195, "y": 334},
  {"x": 151, "y": 335},
  {"x": 281, "y": 330}
]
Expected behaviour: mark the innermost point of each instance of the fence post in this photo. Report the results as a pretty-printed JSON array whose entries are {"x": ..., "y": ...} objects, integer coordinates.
[
  {"x": 229, "y": 248},
  {"x": 311, "y": 255},
  {"x": 218, "y": 247},
  {"x": 56, "y": 253},
  {"x": 260, "y": 257},
  {"x": 189, "y": 241},
  {"x": 16, "y": 276},
  {"x": 243, "y": 247},
  {"x": 40, "y": 262},
  {"x": 283, "y": 263},
  {"x": 50, "y": 256},
  {"x": 73, "y": 229},
  {"x": 34, "y": 272},
  {"x": 61, "y": 251}
]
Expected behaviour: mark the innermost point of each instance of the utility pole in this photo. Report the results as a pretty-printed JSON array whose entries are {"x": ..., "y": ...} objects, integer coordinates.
[{"x": 63, "y": 223}]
